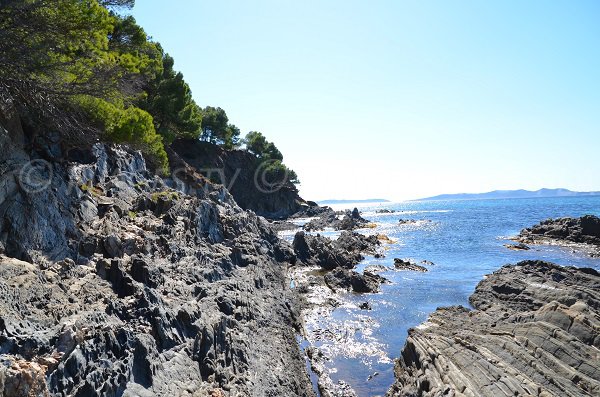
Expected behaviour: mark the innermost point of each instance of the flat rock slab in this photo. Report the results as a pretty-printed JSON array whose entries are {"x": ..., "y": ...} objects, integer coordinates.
[{"x": 535, "y": 331}]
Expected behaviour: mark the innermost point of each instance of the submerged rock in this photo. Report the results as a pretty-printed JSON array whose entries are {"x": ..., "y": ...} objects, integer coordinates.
[
  {"x": 534, "y": 331},
  {"x": 402, "y": 264},
  {"x": 517, "y": 247},
  {"x": 413, "y": 221}
]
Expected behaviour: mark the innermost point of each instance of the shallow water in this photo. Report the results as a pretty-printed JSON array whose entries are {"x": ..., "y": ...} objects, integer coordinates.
[{"x": 465, "y": 241}]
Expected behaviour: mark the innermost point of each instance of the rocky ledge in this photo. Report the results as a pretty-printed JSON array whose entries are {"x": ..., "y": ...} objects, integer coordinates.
[
  {"x": 582, "y": 233},
  {"x": 535, "y": 331},
  {"x": 340, "y": 220},
  {"x": 112, "y": 283}
]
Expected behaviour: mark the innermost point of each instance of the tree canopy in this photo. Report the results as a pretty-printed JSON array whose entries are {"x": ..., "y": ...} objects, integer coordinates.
[
  {"x": 217, "y": 129},
  {"x": 266, "y": 151},
  {"x": 91, "y": 72},
  {"x": 169, "y": 100}
]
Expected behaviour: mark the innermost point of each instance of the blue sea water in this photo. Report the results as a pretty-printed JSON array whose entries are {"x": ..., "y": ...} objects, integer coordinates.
[{"x": 465, "y": 241}]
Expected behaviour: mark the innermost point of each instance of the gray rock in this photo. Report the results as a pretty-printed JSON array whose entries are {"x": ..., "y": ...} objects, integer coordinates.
[
  {"x": 186, "y": 297},
  {"x": 582, "y": 233},
  {"x": 534, "y": 331},
  {"x": 329, "y": 254},
  {"x": 402, "y": 264},
  {"x": 348, "y": 220},
  {"x": 344, "y": 279}
]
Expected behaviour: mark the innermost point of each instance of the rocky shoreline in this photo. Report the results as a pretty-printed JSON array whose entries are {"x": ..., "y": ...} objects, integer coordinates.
[
  {"x": 534, "y": 330},
  {"x": 582, "y": 234},
  {"x": 114, "y": 283}
]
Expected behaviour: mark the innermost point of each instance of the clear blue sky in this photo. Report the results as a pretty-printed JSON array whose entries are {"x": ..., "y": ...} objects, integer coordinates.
[{"x": 400, "y": 99}]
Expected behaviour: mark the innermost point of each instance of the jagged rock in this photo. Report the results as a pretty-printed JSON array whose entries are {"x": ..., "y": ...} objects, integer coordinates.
[
  {"x": 584, "y": 232},
  {"x": 241, "y": 173},
  {"x": 145, "y": 274},
  {"x": 534, "y": 331},
  {"x": 113, "y": 293},
  {"x": 376, "y": 269},
  {"x": 352, "y": 241},
  {"x": 282, "y": 226},
  {"x": 348, "y": 220},
  {"x": 311, "y": 210},
  {"x": 113, "y": 247},
  {"x": 22, "y": 378},
  {"x": 401, "y": 264},
  {"x": 344, "y": 279},
  {"x": 329, "y": 254}
]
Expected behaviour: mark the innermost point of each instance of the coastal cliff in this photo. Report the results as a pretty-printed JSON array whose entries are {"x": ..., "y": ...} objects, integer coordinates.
[
  {"x": 534, "y": 331},
  {"x": 242, "y": 173},
  {"x": 114, "y": 283}
]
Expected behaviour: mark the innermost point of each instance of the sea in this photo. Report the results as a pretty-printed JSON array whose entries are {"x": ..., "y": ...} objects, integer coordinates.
[{"x": 464, "y": 239}]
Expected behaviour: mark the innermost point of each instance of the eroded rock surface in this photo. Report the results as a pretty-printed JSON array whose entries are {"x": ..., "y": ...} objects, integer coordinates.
[
  {"x": 347, "y": 220},
  {"x": 349, "y": 280},
  {"x": 346, "y": 251},
  {"x": 242, "y": 173},
  {"x": 584, "y": 231},
  {"x": 112, "y": 283},
  {"x": 535, "y": 331}
]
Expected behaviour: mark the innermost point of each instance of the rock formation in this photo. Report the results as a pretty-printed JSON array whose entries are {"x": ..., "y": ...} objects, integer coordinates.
[
  {"x": 342, "y": 220},
  {"x": 402, "y": 264},
  {"x": 584, "y": 231},
  {"x": 240, "y": 172},
  {"x": 114, "y": 283},
  {"x": 534, "y": 331},
  {"x": 346, "y": 251}
]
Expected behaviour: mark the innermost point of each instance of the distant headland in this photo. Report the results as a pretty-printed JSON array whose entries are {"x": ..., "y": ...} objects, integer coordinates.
[
  {"x": 512, "y": 194},
  {"x": 347, "y": 201}
]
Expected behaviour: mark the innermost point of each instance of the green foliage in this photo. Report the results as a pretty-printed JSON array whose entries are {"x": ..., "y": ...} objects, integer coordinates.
[
  {"x": 216, "y": 128},
  {"x": 127, "y": 125},
  {"x": 275, "y": 172},
  {"x": 117, "y": 3},
  {"x": 257, "y": 144},
  {"x": 132, "y": 50},
  {"x": 266, "y": 151},
  {"x": 91, "y": 72},
  {"x": 60, "y": 47},
  {"x": 167, "y": 195},
  {"x": 169, "y": 101}
]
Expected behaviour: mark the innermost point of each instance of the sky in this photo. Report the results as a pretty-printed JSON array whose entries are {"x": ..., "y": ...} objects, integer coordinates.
[{"x": 400, "y": 99}]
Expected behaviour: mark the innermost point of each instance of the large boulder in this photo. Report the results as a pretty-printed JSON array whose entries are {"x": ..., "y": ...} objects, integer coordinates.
[{"x": 349, "y": 280}]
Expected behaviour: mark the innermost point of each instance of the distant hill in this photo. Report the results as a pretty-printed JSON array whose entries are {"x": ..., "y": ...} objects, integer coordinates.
[
  {"x": 367, "y": 201},
  {"x": 509, "y": 194}
]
